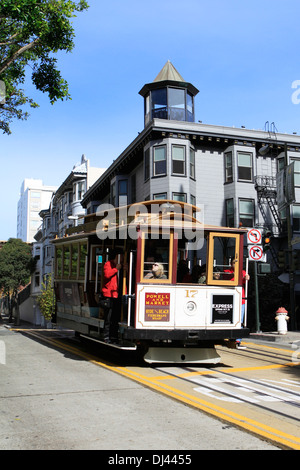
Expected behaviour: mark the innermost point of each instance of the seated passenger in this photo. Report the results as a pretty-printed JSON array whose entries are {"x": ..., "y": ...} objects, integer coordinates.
[
  {"x": 216, "y": 274},
  {"x": 157, "y": 272},
  {"x": 196, "y": 272},
  {"x": 194, "y": 276},
  {"x": 148, "y": 265},
  {"x": 202, "y": 275},
  {"x": 183, "y": 271}
]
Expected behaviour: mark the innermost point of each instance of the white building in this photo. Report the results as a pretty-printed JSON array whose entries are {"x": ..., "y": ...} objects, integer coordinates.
[
  {"x": 64, "y": 210},
  {"x": 34, "y": 197}
]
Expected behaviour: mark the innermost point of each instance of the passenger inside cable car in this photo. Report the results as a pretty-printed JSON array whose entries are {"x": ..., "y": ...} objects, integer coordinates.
[{"x": 156, "y": 259}]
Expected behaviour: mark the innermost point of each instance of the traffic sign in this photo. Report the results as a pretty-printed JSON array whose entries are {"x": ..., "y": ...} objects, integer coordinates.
[
  {"x": 254, "y": 236},
  {"x": 256, "y": 253}
]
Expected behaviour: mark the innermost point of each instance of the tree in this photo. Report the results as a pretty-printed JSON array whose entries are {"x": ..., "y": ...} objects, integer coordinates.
[
  {"x": 16, "y": 265},
  {"x": 31, "y": 32},
  {"x": 46, "y": 300}
]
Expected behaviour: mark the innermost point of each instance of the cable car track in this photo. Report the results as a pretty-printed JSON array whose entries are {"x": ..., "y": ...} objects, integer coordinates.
[
  {"x": 270, "y": 400},
  {"x": 266, "y": 353},
  {"x": 259, "y": 392}
]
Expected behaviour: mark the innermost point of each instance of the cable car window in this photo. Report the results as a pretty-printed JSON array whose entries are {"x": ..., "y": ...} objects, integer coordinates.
[
  {"x": 66, "y": 262},
  {"x": 82, "y": 255},
  {"x": 74, "y": 261},
  {"x": 223, "y": 259},
  {"x": 156, "y": 265},
  {"x": 96, "y": 261},
  {"x": 58, "y": 256}
]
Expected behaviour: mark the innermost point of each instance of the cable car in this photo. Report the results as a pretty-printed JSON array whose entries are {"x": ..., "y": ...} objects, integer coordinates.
[{"x": 181, "y": 288}]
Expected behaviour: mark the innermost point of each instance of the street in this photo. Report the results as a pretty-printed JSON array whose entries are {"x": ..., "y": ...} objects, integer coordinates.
[{"x": 55, "y": 399}]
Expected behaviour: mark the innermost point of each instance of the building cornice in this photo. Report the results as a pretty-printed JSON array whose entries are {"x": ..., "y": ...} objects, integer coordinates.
[
  {"x": 117, "y": 166},
  {"x": 236, "y": 133},
  {"x": 200, "y": 134},
  {"x": 67, "y": 184}
]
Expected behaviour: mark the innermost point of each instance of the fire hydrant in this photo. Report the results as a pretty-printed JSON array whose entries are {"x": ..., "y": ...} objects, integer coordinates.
[{"x": 281, "y": 317}]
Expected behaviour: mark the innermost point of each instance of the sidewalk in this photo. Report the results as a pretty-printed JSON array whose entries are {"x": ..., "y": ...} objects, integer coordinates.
[{"x": 290, "y": 338}]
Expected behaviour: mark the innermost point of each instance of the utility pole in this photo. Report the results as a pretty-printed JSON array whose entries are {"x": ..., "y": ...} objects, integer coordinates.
[
  {"x": 257, "y": 320},
  {"x": 290, "y": 251}
]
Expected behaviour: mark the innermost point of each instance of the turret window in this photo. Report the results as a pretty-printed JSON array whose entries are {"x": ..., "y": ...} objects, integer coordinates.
[
  {"x": 176, "y": 104},
  {"x": 159, "y": 104},
  {"x": 189, "y": 107},
  {"x": 169, "y": 96},
  {"x": 170, "y": 103}
]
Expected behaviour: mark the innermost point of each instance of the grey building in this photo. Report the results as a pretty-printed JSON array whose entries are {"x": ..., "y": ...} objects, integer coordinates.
[{"x": 232, "y": 173}]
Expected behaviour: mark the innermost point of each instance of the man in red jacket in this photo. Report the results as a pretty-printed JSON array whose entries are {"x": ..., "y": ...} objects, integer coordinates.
[{"x": 110, "y": 290}]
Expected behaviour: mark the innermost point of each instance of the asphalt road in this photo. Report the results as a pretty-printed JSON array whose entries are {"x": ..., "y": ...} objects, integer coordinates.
[{"x": 55, "y": 400}]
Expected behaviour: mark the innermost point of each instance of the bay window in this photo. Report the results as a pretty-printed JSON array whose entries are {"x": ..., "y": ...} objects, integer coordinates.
[
  {"x": 244, "y": 166},
  {"x": 178, "y": 160},
  {"x": 228, "y": 167},
  {"x": 296, "y": 172},
  {"x": 296, "y": 218},
  {"x": 159, "y": 161},
  {"x": 192, "y": 164},
  {"x": 229, "y": 213},
  {"x": 246, "y": 212}
]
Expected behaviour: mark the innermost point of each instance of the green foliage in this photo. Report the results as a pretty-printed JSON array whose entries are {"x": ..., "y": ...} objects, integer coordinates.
[
  {"x": 46, "y": 300},
  {"x": 31, "y": 31},
  {"x": 16, "y": 264}
]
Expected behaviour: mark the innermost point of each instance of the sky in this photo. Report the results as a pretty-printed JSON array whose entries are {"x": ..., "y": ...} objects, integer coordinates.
[{"x": 244, "y": 57}]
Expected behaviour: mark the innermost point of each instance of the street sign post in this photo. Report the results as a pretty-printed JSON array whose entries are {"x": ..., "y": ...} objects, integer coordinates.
[{"x": 255, "y": 253}]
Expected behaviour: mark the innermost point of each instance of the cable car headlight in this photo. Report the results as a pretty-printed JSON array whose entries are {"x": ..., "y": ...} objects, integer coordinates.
[{"x": 190, "y": 308}]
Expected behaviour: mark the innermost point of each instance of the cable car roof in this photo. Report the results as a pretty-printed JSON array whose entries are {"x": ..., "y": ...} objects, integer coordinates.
[{"x": 144, "y": 216}]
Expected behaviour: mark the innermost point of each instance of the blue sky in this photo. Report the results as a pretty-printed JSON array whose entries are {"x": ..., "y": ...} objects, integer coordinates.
[{"x": 242, "y": 56}]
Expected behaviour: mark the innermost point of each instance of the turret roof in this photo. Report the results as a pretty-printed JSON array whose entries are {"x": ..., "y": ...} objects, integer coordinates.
[
  {"x": 168, "y": 72},
  {"x": 168, "y": 76}
]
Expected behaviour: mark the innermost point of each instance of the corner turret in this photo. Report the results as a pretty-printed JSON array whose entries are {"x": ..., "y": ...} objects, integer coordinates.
[{"x": 169, "y": 97}]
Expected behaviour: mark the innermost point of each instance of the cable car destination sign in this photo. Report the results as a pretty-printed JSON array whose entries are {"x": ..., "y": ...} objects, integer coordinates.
[{"x": 255, "y": 248}]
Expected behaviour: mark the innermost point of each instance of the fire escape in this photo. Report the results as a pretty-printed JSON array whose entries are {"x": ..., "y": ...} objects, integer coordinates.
[{"x": 267, "y": 203}]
